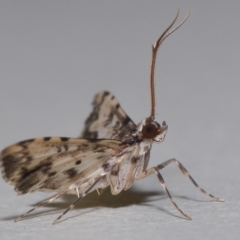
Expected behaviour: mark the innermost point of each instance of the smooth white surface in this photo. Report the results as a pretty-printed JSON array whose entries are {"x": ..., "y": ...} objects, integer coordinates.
[{"x": 55, "y": 55}]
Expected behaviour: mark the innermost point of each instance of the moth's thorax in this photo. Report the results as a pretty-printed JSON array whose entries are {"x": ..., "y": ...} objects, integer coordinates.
[{"x": 151, "y": 131}]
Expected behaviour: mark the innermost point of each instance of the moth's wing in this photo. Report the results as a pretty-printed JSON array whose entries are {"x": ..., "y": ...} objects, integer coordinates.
[
  {"x": 107, "y": 119},
  {"x": 54, "y": 163}
]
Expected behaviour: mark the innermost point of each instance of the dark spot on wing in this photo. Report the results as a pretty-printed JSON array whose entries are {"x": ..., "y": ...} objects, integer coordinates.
[
  {"x": 106, "y": 93},
  {"x": 71, "y": 172},
  {"x": 112, "y": 97},
  {"x": 97, "y": 148},
  {"x": 84, "y": 145},
  {"x": 114, "y": 173},
  {"x": 78, "y": 162},
  {"x": 46, "y": 138},
  {"x": 59, "y": 149},
  {"x": 88, "y": 134},
  {"x": 43, "y": 167},
  {"x": 126, "y": 120},
  {"x": 13, "y": 179},
  {"x": 46, "y": 167},
  {"x": 65, "y": 147},
  {"x": 64, "y": 139},
  {"x": 30, "y": 177},
  {"x": 10, "y": 164},
  {"x": 24, "y": 186},
  {"x": 106, "y": 167},
  {"x": 134, "y": 160},
  {"x": 24, "y": 171},
  {"x": 94, "y": 115},
  {"x": 117, "y": 124},
  {"x": 100, "y": 150},
  {"x": 51, "y": 174},
  {"x": 29, "y": 158},
  {"x": 49, "y": 184},
  {"x": 118, "y": 106}
]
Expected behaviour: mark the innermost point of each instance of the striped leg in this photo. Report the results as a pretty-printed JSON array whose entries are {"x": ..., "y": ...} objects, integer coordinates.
[
  {"x": 154, "y": 170},
  {"x": 186, "y": 173},
  {"x": 79, "y": 198},
  {"x": 52, "y": 199}
]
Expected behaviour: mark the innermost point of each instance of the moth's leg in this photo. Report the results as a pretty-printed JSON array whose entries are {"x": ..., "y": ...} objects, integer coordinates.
[
  {"x": 98, "y": 192},
  {"x": 77, "y": 192},
  {"x": 101, "y": 192},
  {"x": 186, "y": 173},
  {"x": 52, "y": 199},
  {"x": 154, "y": 170},
  {"x": 79, "y": 198},
  {"x": 103, "y": 187}
]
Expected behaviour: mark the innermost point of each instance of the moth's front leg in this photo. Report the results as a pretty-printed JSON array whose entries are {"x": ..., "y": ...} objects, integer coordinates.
[
  {"x": 186, "y": 173},
  {"x": 154, "y": 170}
]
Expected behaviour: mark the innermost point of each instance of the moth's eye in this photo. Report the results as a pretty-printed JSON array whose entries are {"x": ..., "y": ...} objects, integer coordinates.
[{"x": 150, "y": 131}]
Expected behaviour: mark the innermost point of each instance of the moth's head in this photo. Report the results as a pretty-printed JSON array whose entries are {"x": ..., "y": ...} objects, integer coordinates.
[{"x": 151, "y": 130}]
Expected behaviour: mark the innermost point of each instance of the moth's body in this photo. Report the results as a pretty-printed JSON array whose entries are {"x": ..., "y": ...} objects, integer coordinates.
[
  {"x": 119, "y": 172},
  {"x": 111, "y": 151}
]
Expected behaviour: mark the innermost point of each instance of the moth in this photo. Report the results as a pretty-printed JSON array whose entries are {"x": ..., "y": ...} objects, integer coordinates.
[{"x": 112, "y": 151}]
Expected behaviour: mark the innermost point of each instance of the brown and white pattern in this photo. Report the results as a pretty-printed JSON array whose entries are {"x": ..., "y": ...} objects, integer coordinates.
[
  {"x": 107, "y": 120},
  {"x": 112, "y": 151}
]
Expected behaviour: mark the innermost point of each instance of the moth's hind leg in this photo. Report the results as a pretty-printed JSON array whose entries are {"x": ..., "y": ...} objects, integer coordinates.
[
  {"x": 186, "y": 173},
  {"x": 78, "y": 199},
  {"x": 154, "y": 170},
  {"x": 52, "y": 199}
]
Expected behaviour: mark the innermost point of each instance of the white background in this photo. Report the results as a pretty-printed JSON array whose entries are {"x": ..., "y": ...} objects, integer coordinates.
[{"x": 55, "y": 55}]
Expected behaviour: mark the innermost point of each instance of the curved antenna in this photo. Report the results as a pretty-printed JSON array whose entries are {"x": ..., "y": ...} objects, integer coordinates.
[{"x": 155, "y": 47}]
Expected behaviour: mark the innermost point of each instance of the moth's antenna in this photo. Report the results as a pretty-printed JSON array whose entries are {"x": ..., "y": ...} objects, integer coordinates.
[{"x": 155, "y": 47}]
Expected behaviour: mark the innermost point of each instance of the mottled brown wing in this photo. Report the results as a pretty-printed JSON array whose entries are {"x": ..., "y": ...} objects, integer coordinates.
[
  {"x": 107, "y": 120},
  {"x": 53, "y": 163}
]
